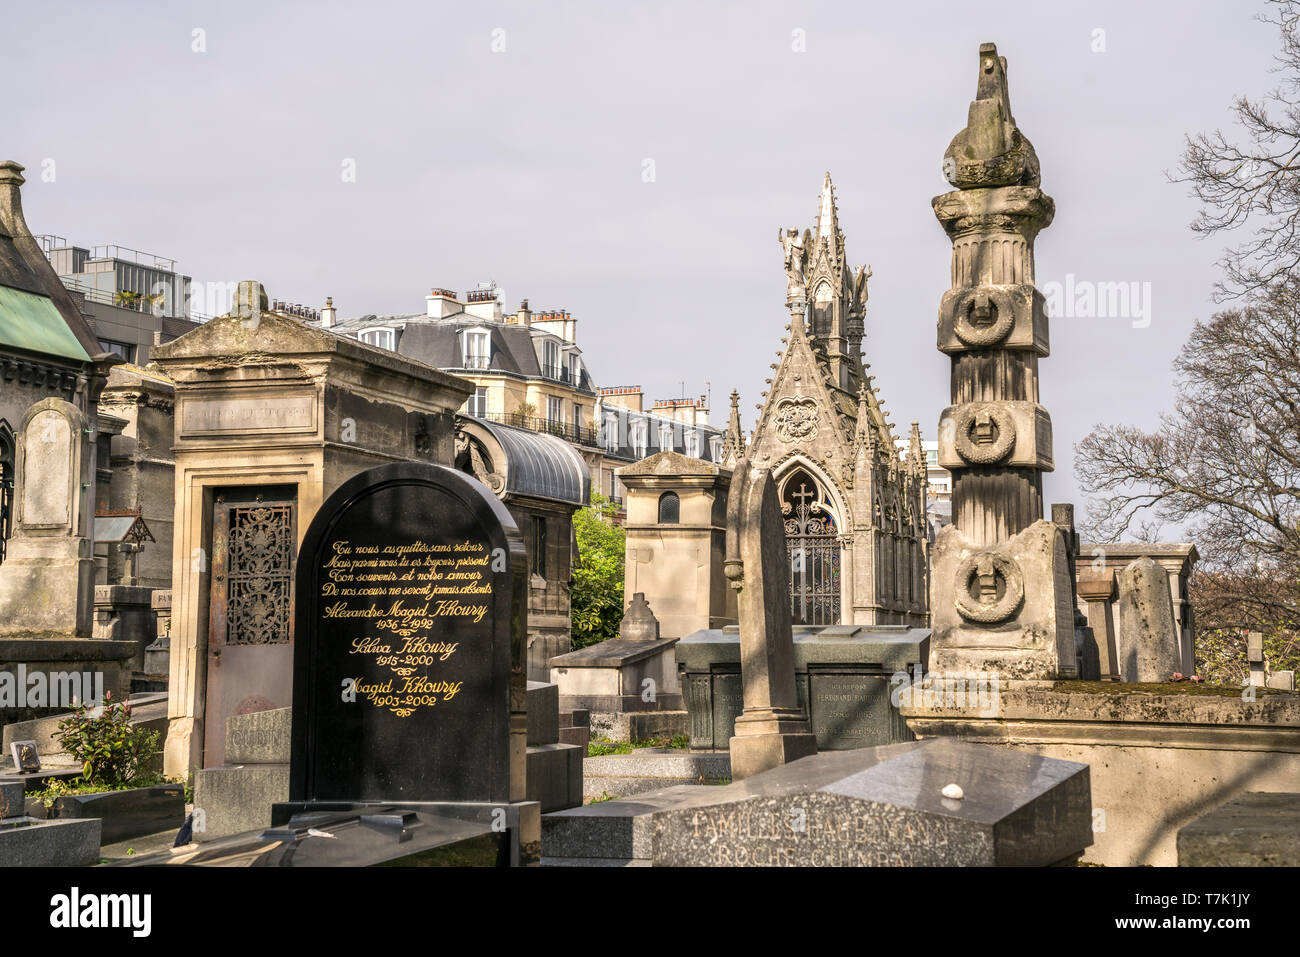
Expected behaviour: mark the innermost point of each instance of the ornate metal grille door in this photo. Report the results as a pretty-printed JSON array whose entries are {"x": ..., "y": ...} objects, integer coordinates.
[
  {"x": 259, "y": 566},
  {"x": 814, "y": 552},
  {"x": 250, "y": 608}
]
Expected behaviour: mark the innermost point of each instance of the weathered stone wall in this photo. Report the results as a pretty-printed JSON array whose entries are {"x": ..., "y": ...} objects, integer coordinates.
[
  {"x": 1159, "y": 760},
  {"x": 143, "y": 471}
]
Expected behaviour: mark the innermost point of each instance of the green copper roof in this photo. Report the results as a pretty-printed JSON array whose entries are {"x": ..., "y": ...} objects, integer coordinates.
[{"x": 32, "y": 322}]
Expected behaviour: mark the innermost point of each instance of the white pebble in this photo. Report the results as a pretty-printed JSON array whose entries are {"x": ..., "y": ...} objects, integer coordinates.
[{"x": 953, "y": 791}]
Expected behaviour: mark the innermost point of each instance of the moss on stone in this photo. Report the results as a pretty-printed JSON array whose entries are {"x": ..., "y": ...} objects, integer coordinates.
[{"x": 1156, "y": 687}]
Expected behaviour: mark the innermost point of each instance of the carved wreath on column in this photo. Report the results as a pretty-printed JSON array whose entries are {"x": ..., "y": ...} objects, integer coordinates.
[
  {"x": 796, "y": 419},
  {"x": 982, "y": 317},
  {"x": 990, "y": 588},
  {"x": 986, "y": 433}
]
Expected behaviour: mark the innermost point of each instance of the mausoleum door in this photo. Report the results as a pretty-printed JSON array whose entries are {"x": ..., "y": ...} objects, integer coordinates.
[
  {"x": 6, "y": 484},
  {"x": 813, "y": 547},
  {"x": 250, "y": 619}
]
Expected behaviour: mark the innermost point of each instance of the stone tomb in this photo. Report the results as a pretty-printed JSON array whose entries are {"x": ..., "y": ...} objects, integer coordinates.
[
  {"x": 634, "y": 672},
  {"x": 28, "y": 842},
  {"x": 409, "y": 685},
  {"x": 886, "y": 806},
  {"x": 844, "y": 675},
  {"x": 272, "y": 416}
]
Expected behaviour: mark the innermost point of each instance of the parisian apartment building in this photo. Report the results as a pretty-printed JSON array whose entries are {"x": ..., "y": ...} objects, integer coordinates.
[{"x": 529, "y": 372}]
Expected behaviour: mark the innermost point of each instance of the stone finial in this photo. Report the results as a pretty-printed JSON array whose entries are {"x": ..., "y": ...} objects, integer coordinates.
[
  {"x": 864, "y": 429},
  {"x": 639, "y": 622},
  {"x": 733, "y": 442},
  {"x": 991, "y": 150},
  {"x": 11, "y": 174},
  {"x": 915, "y": 451},
  {"x": 250, "y": 300},
  {"x": 11, "y": 204},
  {"x": 828, "y": 224}
]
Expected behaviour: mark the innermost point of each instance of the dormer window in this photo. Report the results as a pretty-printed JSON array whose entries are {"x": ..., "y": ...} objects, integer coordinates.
[
  {"x": 476, "y": 349},
  {"x": 693, "y": 444},
  {"x": 665, "y": 437},
  {"x": 715, "y": 448},
  {"x": 551, "y": 367},
  {"x": 609, "y": 437},
  {"x": 384, "y": 338}
]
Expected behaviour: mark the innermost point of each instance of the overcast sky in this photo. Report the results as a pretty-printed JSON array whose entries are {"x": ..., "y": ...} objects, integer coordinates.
[{"x": 514, "y": 141}]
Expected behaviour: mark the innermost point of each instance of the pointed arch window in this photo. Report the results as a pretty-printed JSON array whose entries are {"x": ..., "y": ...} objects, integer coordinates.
[
  {"x": 803, "y": 498},
  {"x": 812, "y": 545}
]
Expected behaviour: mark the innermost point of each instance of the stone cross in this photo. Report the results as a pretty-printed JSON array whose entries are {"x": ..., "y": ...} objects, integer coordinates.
[
  {"x": 1255, "y": 659},
  {"x": 772, "y": 730},
  {"x": 639, "y": 622}
]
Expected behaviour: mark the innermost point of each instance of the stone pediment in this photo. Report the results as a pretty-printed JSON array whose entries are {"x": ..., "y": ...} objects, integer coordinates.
[
  {"x": 267, "y": 335},
  {"x": 801, "y": 412},
  {"x": 670, "y": 463}
]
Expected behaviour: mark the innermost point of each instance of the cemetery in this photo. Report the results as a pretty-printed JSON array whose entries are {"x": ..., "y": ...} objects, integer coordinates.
[{"x": 339, "y": 627}]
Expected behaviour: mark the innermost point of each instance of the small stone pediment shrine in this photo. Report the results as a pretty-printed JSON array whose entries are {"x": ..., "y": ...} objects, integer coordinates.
[{"x": 854, "y": 511}]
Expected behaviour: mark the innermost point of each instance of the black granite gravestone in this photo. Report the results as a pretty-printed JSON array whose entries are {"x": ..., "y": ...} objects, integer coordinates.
[{"x": 409, "y": 629}]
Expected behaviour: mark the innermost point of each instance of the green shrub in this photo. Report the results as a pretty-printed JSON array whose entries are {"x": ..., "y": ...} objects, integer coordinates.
[
  {"x": 112, "y": 751},
  {"x": 597, "y": 590}
]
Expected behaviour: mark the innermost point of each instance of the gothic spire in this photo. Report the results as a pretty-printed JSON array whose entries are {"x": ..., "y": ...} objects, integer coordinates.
[
  {"x": 828, "y": 223},
  {"x": 733, "y": 443},
  {"x": 915, "y": 452},
  {"x": 864, "y": 413}
]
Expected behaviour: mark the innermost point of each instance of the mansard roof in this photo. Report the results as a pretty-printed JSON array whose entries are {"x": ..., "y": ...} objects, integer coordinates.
[{"x": 36, "y": 312}]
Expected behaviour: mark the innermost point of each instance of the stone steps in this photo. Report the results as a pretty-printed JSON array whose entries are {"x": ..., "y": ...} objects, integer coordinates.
[{"x": 650, "y": 769}]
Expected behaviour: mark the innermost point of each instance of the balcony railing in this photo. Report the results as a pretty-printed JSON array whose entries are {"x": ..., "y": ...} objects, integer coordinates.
[
  {"x": 558, "y": 373},
  {"x": 570, "y": 433},
  {"x": 476, "y": 362}
]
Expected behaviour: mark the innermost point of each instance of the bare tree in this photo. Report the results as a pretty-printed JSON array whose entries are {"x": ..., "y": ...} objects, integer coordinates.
[
  {"x": 1255, "y": 181},
  {"x": 1226, "y": 462},
  {"x": 1225, "y": 465}
]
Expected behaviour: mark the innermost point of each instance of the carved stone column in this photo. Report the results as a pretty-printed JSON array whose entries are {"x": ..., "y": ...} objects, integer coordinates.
[{"x": 1003, "y": 593}]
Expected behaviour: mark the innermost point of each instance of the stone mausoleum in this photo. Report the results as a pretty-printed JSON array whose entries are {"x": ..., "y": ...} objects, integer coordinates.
[{"x": 854, "y": 513}]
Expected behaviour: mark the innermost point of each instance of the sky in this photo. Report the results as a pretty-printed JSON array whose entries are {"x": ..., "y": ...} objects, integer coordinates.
[{"x": 633, "y": 163}]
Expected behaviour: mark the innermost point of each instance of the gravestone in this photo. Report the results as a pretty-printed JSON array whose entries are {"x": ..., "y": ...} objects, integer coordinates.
[
  {"x": 887, "y": 806},
  {"x": 47, "y": 580},
  {"x": 409, "y": 682},
  {"x": 1148, "y": 638},
  {"x": 772, "y": 730}
]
